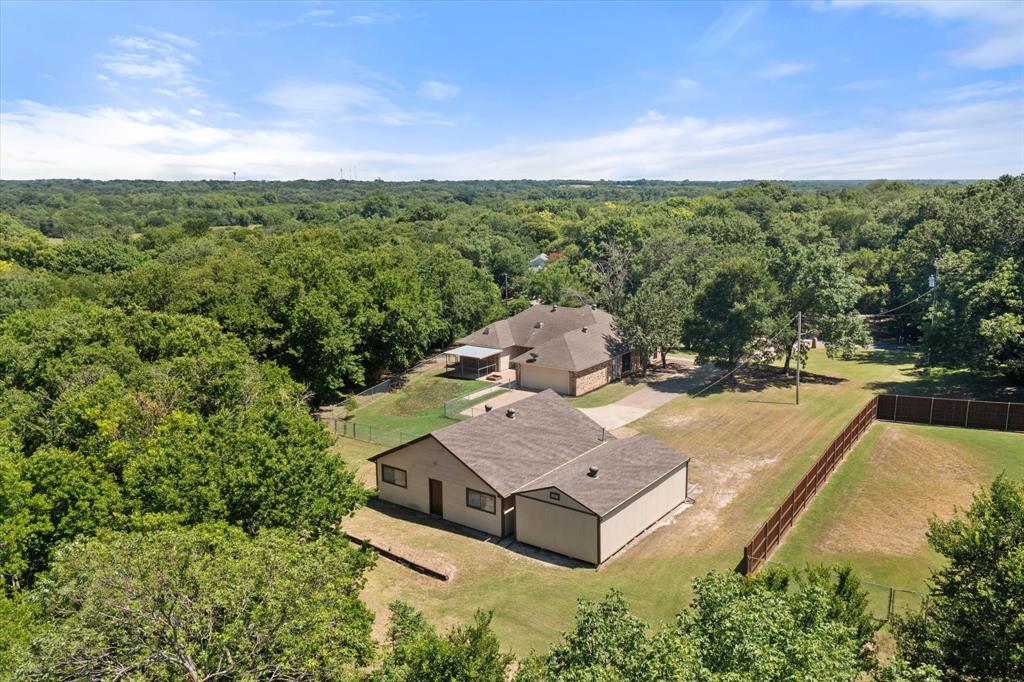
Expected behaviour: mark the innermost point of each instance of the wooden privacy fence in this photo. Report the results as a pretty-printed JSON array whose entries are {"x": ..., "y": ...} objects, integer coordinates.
[
  {"x": 971, "y": 414},
  {"x": 769, "y": 535},
  {"x": 968, "y": 414}
]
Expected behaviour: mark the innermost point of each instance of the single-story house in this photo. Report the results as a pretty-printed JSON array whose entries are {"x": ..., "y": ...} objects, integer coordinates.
[
  {"x": 570, "y": 350},
  {"x": 542, "y": 471}
]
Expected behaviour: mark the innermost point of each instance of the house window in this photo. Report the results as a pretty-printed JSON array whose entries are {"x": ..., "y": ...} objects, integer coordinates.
[
  {"x": 555, "y": 496},
  {"x": 479, "y": 500},
  {"x": 393, "y": 476}
]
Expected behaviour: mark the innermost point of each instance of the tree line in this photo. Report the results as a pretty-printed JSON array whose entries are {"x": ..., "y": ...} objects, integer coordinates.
[{"x": 209, "y": 602}]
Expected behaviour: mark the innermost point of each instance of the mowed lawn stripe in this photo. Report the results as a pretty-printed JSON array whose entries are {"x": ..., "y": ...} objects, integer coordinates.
[{"x": 875, "y": 509}]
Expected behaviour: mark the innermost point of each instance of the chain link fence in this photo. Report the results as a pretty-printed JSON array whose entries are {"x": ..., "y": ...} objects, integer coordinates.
[
  {"x": 883, "y": 601},
  {"x": 475, "y": 403},
  {"x": 349, "y": 428}
]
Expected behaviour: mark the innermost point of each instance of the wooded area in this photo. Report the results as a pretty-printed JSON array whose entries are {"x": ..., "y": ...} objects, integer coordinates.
[{"x": 163, "y": 344}]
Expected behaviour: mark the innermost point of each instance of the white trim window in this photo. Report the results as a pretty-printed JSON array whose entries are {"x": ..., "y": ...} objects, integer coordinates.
[
  {"x": 482, "y": 501},
  {"x": 393, "y": 476}
]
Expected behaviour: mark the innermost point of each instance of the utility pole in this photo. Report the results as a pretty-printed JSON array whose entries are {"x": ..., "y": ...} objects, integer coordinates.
[
  {"x": 506, "y": 286},
  {"x": 799, "y": 350}
]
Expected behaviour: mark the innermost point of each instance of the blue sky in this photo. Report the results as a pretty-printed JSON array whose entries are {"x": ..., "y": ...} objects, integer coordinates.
[{"x": 714, "y": 90}]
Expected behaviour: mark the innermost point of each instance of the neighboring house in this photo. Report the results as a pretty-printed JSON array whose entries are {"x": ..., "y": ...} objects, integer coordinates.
[
  {"x": 543, "y": 471},
  {"x": 569, "y": 350},
  {"x": 539, "y": 261}
]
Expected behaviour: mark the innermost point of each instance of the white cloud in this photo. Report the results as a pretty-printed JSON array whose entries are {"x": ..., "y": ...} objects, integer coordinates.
[
  {"x": 685, "y": 84},
  {"x": 982, "y": 90},
  {"x": 164, "y": 57},
  {"x": 996, "y": 34},
  {"x": 439, "y": 91},
  {"x": 958, "y": 141},
  {"x": 195, "y": 112},
  {"x": 348, "y": 101},
  {"x": 652, "y": 116},
  {"x": 363, "y": 20},
  {"x": 866, "y": 85},
  {"x": 783, "y": 70},
  {"x": 733, "y": 18}
]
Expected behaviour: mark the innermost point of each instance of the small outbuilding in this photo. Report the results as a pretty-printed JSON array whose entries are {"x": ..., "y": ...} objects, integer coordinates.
[{"x": 543, "y": 471}]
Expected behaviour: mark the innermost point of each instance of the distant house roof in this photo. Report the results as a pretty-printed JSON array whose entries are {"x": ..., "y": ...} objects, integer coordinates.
[
  {"x": 540, "y": 324},
  {"x": 576, "y": 350},
  {"x": 624, "y": 468},
  {"x": 539, "y": 261}
]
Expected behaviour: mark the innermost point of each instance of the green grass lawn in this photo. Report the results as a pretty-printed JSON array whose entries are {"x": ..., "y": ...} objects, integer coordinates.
[
  {"x": 875, "y": 509},
  {"x": 418, "y": 407},
  {"x": 748, "y": 444}
]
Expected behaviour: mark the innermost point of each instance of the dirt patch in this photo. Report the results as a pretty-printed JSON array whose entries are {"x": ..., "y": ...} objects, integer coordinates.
[{"x": 912, "y": 478}]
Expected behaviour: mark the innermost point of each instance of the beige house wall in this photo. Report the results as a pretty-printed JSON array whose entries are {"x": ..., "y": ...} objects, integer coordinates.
[
  {"x": 641, "y": 512},
  {"x": 427, "y": 459},
  {"x": 544, "y": 495},
  {"x": 532, "y": 377},
  {"x": 556, "y": 528}
]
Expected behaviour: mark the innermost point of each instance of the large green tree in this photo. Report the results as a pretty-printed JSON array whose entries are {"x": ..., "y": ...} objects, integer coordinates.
[
  {"x": 972, "y": 627},
  {"x": 734, "y": 312},
  {"x": 200, "y": 604},
  {"x": 124, "y": 420}
]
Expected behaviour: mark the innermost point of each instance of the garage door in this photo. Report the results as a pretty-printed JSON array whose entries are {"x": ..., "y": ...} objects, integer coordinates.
[{"x": 541, "y": 378}]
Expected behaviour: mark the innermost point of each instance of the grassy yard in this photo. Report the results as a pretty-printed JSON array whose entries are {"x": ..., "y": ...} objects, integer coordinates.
[
  {"x": 749, "y": 444},
  {"x": 874, "y": 511},
  {"x": 417, "y": 408}
]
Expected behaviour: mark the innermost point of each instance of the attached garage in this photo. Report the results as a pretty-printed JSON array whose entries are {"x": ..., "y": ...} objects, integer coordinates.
[
  {"x": 592, "y": 507},
  {"x": 534, "y": 378}
]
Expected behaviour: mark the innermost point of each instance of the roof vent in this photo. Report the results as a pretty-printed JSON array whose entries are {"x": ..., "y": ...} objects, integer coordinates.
[
  {"x": 584, "y": 330},
  {"x": 554, "y": 308},
  {"x": 592, "y": 472},
  {"x": 487, "y": 408},
  {"x": 511, "y": 413},
  {"x": 487, "y": 330},
  {"x": 539, "y": 325},
  {"x": 593, "y": 306}
]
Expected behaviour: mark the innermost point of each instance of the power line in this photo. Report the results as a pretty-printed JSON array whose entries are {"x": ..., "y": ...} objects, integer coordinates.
[
  {"x": 744, "y": 363},
  {"x": 904, "y": 305}
]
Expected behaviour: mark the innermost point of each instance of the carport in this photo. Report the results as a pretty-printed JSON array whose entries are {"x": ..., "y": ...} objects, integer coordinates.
[{"x": 472, "y": 362}]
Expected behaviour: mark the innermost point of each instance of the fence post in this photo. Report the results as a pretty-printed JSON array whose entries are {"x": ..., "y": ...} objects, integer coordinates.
[
  {"x": 892, "y": 601},
  {"x": 1006, "y": 427},
  {"x": 896, "y": 408},
  {"x": 967, "y": 413},
  {"x": 931, "y": 411}
]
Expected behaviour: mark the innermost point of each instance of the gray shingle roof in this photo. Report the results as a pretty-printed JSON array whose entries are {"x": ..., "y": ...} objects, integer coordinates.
[
  {"x": 577, "y": 350},
  {"x": 535, "y": 326},
  {"x": 546, "y": 432},
  {"x": 625, "y": 468}
]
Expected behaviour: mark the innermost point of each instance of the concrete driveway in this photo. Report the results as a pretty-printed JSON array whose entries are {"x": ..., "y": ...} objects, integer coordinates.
[{"x": 650, "y": 397}]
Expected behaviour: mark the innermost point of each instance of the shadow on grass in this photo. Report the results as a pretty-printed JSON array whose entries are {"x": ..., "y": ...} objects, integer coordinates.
[
  {"x": 894, "y": 355},
  {"x": 747, "y": 380},
  {"x": 508, "y": 543},
  {"x": 942, "y": 383}
]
